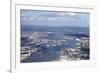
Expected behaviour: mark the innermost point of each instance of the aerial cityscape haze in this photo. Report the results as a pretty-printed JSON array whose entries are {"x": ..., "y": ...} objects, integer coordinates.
[{"x": 54, "y": 36}]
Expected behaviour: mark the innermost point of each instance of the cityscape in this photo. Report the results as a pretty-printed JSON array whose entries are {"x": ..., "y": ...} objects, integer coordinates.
[{"x": 48, "y": 36}]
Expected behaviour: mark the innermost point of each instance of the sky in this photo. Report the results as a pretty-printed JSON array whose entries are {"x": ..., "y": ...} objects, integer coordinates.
[{"x": 54, "y": 18}]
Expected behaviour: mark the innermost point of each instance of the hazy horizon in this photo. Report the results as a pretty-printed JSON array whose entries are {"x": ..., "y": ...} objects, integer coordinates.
[{"x": 54, "y": 18}]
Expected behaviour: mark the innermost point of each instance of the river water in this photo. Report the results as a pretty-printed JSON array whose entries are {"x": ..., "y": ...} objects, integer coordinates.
[{"x": 51, "y": 53}]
